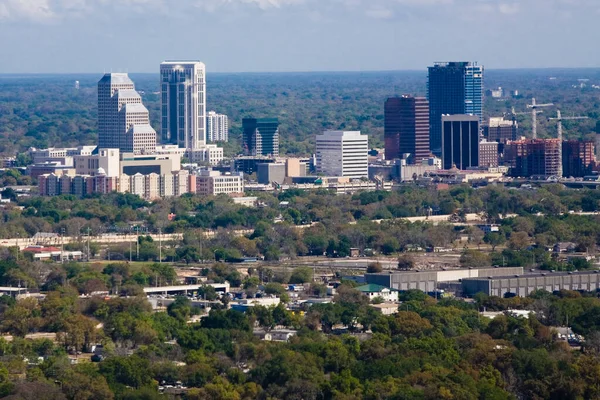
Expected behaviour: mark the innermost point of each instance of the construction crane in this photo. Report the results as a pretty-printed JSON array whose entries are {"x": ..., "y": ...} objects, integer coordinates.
[
  {"x": 559, "y": 119},
  {"x": 534, "y": 112}
]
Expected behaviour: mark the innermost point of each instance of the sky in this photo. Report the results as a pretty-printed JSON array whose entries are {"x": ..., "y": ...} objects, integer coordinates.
[{"x": 92, "y": 36}]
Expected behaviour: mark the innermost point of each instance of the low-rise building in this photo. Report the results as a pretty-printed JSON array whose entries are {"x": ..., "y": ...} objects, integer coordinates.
[
  {"x": 386, "y": 308},
  {"x": 374, "y": 291},
  {"x": 209, "y": 182}
]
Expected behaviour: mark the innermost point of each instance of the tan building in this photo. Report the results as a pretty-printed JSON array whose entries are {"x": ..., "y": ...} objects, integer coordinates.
[{"x": 210, "y": 182}]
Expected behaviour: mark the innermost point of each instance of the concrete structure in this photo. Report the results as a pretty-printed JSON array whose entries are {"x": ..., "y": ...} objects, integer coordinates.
[
  {"x": 406, "y": 127},
  {"x": 246, "y": 201},
  {"x": 63, "y": 155},
  {"x": 261, "y": 136},
  {"x": 427, "y": 281},
  {"x": 271, "y": 173},
  {"x": 406, "y": 172},
  {"x": 209, "y": 182},
  {"x": 209, "y": 154},
  {"x": 501, "y": 130},
  {"x": 131, "y": 164},
  {"x": 488, "y": 154},
  {"x": 123, "y": 121},
  {"x": 217, "y": 127},
  {"x": 460, "y": 141},
  {"x": 343, "y": 153},
  {"x": 524, "y": 285},
  {"x": 533, "y": 157},
  {"x": 453, "y": 88},
  {"x": 296, "y": 167},
  {"x": 183, "y": 94},
  {"x": 277, "y": 335},
  {"x": 578, "y": 158},
  {"x": 185, "y": 289},
  {"x": 106, "y": 159}
]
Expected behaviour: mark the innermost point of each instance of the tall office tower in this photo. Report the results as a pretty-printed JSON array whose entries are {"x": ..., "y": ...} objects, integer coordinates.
[
  {"x": 183, "y": 91},
  {"x": 453, "y": 88},
  {"x": 261, "y": 136},
  {"x": 343, "y": 153},
  {"x": 217, "y": 127},
  {"x": 460, "y": 141},
  {"x": 407, "y": 127},
  {"x": 123, "y": 121}
]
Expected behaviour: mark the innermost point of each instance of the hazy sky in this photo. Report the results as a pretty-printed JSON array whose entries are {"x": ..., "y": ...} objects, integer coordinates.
[{"x": 295, "y": 35}]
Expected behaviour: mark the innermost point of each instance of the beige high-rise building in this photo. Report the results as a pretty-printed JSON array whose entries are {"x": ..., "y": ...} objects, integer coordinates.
[{"x": 123, "y": 121}]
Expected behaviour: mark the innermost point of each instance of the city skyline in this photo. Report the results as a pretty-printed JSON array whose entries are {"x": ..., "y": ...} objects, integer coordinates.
[{"x": 84, "y": 36}]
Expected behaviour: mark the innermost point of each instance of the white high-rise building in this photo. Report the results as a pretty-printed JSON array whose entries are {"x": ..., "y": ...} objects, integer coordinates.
[
  {"x": 183, "y": 91},
  {"x": 343, "y": 153},
  {"x": 123, "y": 121},
  {"x": 217, "y": 126}
]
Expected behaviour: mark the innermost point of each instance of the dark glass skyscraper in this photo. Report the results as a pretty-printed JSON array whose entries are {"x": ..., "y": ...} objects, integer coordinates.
[
  {"x": 460, "y": 141},
  {"x": 453, "y": 88},
  {"x": 261, "y": 136},
  {"x": 406, "y": 127}
]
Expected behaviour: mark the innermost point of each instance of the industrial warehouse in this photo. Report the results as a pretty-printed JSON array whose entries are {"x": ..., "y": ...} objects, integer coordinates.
[
  {"x": 523, "y": 285},
  {"x": 429, "y": 281}
]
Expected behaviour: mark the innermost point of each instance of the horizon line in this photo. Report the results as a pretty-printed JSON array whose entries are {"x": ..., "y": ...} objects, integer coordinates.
[{"x": 307, "y": 71}]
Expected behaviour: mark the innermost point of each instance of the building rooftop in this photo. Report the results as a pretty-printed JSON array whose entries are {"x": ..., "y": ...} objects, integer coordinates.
[
  {"x": 143, "y": 128},
  {"x": 117, "y": 78},
  {"x": 130, "y": 93},
  {"x": 373, "y": 288},
  {"x": 135, "y": 107},
  {"x": 536, "y": 275}
]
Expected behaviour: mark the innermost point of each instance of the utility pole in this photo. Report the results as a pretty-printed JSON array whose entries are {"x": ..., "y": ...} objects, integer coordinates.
[
  {"x": 18, "y": 248},
  {"x": 88, "y": 243},
  {"x": 137, "y": 244},
  {"x": 62, "y": 245},
  {"x": 159, "y": 246},
  {"x": 130, "y": 251}
]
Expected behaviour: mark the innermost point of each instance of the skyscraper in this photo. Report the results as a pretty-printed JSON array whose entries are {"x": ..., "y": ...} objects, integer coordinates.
[
  {"x": 453, "y": 88},
  {"x": 183, "y": 94},
  {"x": 460, "y": 141},
  {"x": 217, "y": 126},
  {"x": 343, "y": 153},
  {"x": 406, "y": 127},
  {"x": 123, "y": 121},
  {"x": 261, "y": 136}
]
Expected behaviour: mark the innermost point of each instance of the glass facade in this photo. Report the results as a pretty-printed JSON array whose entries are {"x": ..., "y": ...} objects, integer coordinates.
[
  {"x": 261, "y": 136},
  {"x": 453, "y": 88}
]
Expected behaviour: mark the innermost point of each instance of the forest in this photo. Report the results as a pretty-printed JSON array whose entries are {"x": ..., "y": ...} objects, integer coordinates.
[
  {"x": 47, "y": 110},
  {"x": 429, "y": 349}
]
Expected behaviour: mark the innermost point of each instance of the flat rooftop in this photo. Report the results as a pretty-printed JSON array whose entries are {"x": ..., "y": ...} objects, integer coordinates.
[{"x": 536, "y": 275}]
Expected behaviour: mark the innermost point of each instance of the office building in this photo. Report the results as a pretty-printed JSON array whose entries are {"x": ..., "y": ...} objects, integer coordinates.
[
  {"x": 501, "y": 130},
  {"x": 343, "y": 153},
  {"x": 123, "y": 121},
  {"x": 577, "y": 158},
  {"x": 406, "y": 128},
  {"x": 271, "y": 173},
  {"x": 209, "y": 182},
  {"x": 217, "y": 127},
  {"x": 453, "y": 88},
  {"x": 524, "y": 285},
  {"x": 460, "y": 141},
  {"x": 488, "y": 154},
  {"x": 106, "y": 160},
  {"x": 183, "y": 97},
  {"x": 261, "y": 136},
  {"x": 533, "y": 157}
]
